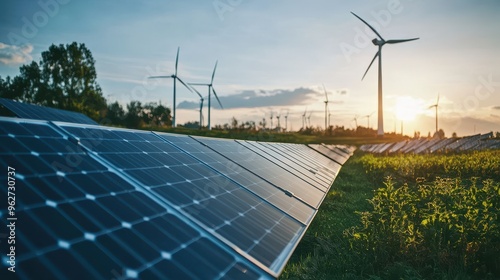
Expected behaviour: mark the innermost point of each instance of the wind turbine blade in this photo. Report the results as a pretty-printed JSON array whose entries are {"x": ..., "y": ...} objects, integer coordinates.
[
  {"x": 177, "y": 60},
  {"x": 199, "y": 94},
  {"x": 188, "y": 87},
  {"x": 213, "y": 73},
  {"x": 373, "y": 29},
  {"x": 437, "y": 103},
  {"x": 159, "y": 77},
  {"x": 213, "y": 90},
  {"x": 377, "y": 54},
  {"x": 401, "y": 41},
  {"x": 198, "y": 84}
]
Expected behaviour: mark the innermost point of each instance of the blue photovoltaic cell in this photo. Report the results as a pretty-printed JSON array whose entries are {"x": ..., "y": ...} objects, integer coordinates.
[
  {"x": 267, "y": 191},
  {"x": 29, "y": 111},
  {"x": 237, "y": 216},
  {"x": 76, "y": 219},
  {"x": 310, "y": 158},
  {"x": 266, "y": 169},
  {"x": 110, "y": 203},
  {"x": 313, "y": 176},
  {"x": 332, "y": 154}
]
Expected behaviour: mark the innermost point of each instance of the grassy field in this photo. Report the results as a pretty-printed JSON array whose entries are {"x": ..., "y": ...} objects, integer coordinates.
[{"x": 442, "y": 222}]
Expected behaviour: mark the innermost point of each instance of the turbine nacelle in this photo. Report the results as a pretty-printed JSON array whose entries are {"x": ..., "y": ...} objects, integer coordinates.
[{"x": 378, "y": 42}]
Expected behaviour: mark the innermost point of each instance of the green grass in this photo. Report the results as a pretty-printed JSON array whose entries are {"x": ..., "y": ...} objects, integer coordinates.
[
  {"x": 324, "y": 252},
  {"x": 434, "y": 228}
]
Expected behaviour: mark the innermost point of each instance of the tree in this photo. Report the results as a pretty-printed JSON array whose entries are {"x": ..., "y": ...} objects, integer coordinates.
[
  {"x": 133, "y": 118},
  {"x": 115, "y": 114},
  {"x": 65, "y": 78}
]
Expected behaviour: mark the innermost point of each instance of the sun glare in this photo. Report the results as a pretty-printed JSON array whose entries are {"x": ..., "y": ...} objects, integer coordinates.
[{"x": 407, "y": 108}]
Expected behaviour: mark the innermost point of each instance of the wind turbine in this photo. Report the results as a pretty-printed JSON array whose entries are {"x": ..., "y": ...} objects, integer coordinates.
[
  {"x": 380, "y": 43},
  {"x": 436, "y": 105},
  {"x": 304, "y": 118},
  {"x": 368, "y": 117},
  {"x": 309, "y": 118},
  {"x": 355, "y": 121},
  {"x": 278, "y": 118},
  {"x": 210, "y": 90},
  {"x": 175, "y": 77},
  {"x": 326, "y": 107},
  {"x": 201, "y": 107},
  {"x": 286, "y": 121},
  {"x": 271, "y": 117}
]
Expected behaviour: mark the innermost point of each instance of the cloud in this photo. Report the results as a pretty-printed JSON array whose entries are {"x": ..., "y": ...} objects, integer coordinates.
[
  {"x": 261, "y": 98},
  {"x": 10, "y": 54},
  {"x": 496, "y": 107}
]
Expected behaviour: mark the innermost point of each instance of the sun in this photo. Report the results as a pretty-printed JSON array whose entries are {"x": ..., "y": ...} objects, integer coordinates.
[{"x": 407, "y": 108}]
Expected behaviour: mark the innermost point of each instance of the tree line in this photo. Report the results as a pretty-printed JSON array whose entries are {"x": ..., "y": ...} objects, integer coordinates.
[{"x": 65, "y": 78}]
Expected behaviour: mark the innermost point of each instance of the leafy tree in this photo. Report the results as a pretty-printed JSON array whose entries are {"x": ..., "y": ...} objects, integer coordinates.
[
  {"x": 115, "y": 113},
  {"x": 65, "y": 78},
  {"x": 134, "y": 116}
]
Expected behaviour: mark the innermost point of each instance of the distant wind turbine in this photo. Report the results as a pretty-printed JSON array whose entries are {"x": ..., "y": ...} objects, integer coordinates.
[
  {"x": 309, "y": 118},
  {"x": 304, "y": 119},
  {"x": 355, "y": 119},
  {"x": 201, "y": 107},
  {"x": 176, "y": 78},
  {"x": 271, "y": 117},
  {"x": 380, "y": 43},
  {"x": 210, "y": 90},
  {"x": 286, "y": 120},
  {"x": 368, "y": 117},
  {"x": 278, "y": 118},
  {"x": 436, "y": 105},
  {"x": 326, "y": 107}
]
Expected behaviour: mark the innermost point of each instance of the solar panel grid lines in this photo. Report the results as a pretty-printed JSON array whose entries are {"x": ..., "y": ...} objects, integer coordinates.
[
  {"x": 62, "y": 238},
  {"x": 476, "y": 141},
  {"x": 314, "y": 176},
  {"x": 418, "y": 143},
  {"x": 398, "y": 146},
  {"x": 266, "y": 169},
  {"x": 425, "y": 147},
  {"x": 277, "y": 196},
  {"x": 316, "y": 161},
  {"x": 328, "y": 153},
  {"x": 152, "y": 204},
  {"x": 338, "y": 149},
  {"x": 205, "y": 190},
  {"x": 30, "y": 111}
]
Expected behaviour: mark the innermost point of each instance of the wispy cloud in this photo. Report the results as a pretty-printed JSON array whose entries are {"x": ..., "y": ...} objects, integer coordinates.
[
  {"x": 496, "y": 107},
  {"x": 261, "y": 98},
  {"x": 10, "y": 54}
]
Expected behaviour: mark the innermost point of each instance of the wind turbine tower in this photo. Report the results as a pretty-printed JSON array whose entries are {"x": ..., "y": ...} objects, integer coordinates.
[
  {"x": 380, "y": 42},
  {"x": 176, "y": 78},
  {"x": 436, "y": 105},
  {"x": 210, "y": 90}
]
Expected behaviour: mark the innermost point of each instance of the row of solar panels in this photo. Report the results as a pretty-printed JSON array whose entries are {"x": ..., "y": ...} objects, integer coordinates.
[
  {"x": 434, "y": 145},
  {"x": 95, "y": 202}
]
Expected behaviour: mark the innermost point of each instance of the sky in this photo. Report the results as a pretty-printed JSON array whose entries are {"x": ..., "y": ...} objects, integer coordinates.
[{"x": 275, "y": 56}]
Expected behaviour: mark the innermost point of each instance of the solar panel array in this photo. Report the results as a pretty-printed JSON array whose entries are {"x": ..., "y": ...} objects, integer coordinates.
[
  {"x": 95, "y": 202},
  {"x": 434, "y": 145},
  {"x": 29, "y": 111}
]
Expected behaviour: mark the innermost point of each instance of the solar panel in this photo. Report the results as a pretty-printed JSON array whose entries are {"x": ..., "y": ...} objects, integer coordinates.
[
  {"x": 335, "y": 156},
  {"x": 397, "y": 146},
  {"x": 103, "y": 203},
  {"x": 315, "y": 176},
  {"x": 29, "y": 111},
  {"x": 260, "y": 186},
  {"x": 276, "y": 175},
  {"x": 77, "y": 218},
  {"x": 309, "y": 158}
]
